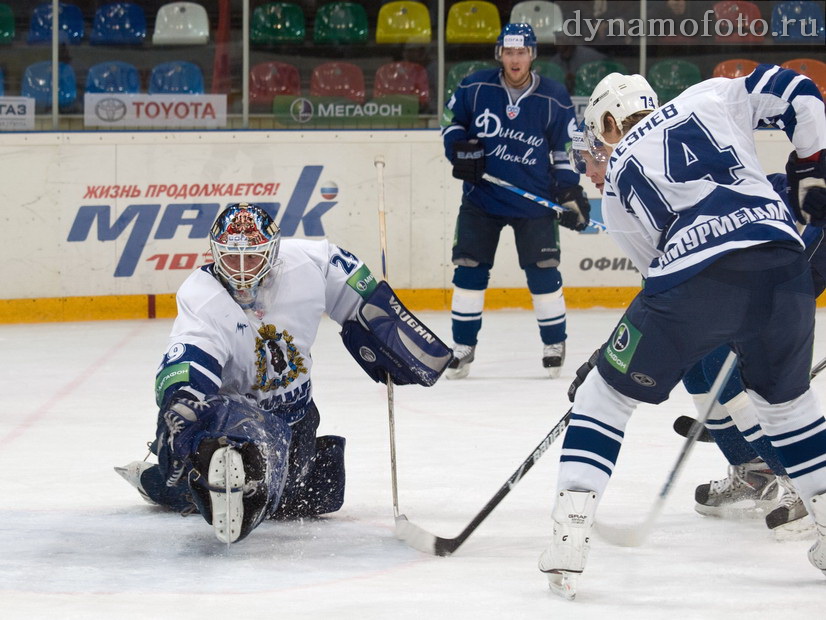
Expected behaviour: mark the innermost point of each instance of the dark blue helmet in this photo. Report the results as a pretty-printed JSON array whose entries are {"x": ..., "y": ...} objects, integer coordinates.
[{"x": 516, "y": 35}]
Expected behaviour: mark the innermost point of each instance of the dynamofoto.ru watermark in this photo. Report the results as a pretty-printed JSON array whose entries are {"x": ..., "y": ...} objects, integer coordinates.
[{"x": 589, "y": 29}]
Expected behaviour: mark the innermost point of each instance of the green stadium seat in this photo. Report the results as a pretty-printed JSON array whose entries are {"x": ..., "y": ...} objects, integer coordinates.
[
  {"x": 670, "y": 77},
  {"x": 6, "y": 24},
  {"x": 277, "y": 22},
  {"x": 340, "y": 23},
  {"x": 461, "y": 70},
  {"x": 589, "y": 75},
  {"x": 549, "y": 69},
  {"x": 403, "y": 22}
]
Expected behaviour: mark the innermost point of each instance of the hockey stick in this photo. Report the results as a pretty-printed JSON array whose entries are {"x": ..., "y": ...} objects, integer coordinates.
[
  {"x": 378, "y": 162},
  {"x": 684, "y": 424},
  {"x": 537, "y": 199},
  {"x": 635, "y": 535},
  {"x": 426, "y": 542}
]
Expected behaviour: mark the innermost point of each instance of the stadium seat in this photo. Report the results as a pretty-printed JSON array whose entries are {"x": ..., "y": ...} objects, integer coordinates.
[
  {"x": 70, "y": 20},
  {"x": 544, "y": 17},
  {"x": 181, "y": 23},
  {"x": 37, "y": 84},
  {"x": 402, "y": 78},
  {"x": 461, "y": 70},
  {"x": 747, "y": 13},
  {"x": 340, "y": 23},
  {"x": 813, "y": 69},
  {"x": 549, "y": 69},
  {"x": 2, "y": 83},
  {"x": 473, "y": 21},
  {"x": 177, "y": 77},
  {"x": 338, "y": 79},
  {"x": 797, "y": 13},
  {"x": 6, "y": 24},
  {"x": 734, "y": 68},
  {"x": 273, "y": 78},
  {"x": 670, "y": 77},
  {"x": 114, "y": 76},
  {"x": 119, "y": 23},
  {"x": 403, "y": 22},
  {"x": 277, "y": 22},
  {"x": 589, "y": 75}
]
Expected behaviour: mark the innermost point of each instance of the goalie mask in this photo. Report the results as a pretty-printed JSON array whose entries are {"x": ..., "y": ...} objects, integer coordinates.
[
  {"x": 244, "y": 242},
  {"x": 620, "y": 96}
]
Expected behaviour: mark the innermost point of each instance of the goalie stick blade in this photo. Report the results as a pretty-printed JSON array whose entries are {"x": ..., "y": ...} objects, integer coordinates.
[
  {"x": 683, "y": 426},
  {"x": 422, "y": 540}
]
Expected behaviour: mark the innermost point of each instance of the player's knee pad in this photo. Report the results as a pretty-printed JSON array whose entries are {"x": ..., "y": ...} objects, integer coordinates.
[
  {"x": 543, "y": 279},
  {"x": 472, "y": 277}
]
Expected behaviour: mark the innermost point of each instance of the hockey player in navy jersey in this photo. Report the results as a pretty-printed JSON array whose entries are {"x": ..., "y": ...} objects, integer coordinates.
[
  {"x": 686, "y": 199},
  {"x": 236, "y": 430},
  {"x": 756, "y": 484},
  {"x": 513, "y": 125}
]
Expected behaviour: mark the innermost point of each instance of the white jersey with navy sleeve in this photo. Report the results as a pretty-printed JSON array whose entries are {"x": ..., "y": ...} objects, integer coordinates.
[
  {"x": 525, "y": 140},
  {"x": 684, "y": 186},
  {"x": 262, "y": 353}
]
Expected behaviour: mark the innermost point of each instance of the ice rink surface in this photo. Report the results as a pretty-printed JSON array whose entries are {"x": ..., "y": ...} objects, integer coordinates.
[{"x": 76, "y": 541}]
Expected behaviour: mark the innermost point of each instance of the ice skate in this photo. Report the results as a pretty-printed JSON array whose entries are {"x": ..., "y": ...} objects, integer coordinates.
[
  {"x": 564, "y": 559},
  {"x": 790, "y": 519},
  {"x": 459, "y": 366},
  {"x": 226, "y": 493},
  {"x": 817, "y": 553},
  {"x": 132, "y": 474},
  {"x": 553, "y": 356},
  {"x": 750, "y": 490}
]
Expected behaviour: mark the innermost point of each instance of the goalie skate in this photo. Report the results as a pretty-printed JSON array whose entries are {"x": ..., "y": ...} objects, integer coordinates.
[
  {"x": 226, "y": 481},
  {"x": 132, "y": 474},
  {"x": 817, "y": 552},
  {"x": 750, "y": 490},
  {"x": 564, "y": 559}
]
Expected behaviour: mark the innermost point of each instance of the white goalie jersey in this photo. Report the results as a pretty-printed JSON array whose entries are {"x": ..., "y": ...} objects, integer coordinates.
[
  {"x": 684, "y": 186},
  {"x": 262, "y": 353}
]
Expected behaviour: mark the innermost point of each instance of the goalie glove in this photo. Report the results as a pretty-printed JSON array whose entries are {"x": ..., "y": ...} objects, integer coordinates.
[
  {"x": 807, "y": 187},
  {"x": 468, "y": 160},
  {"x": 578, "y": 212},
  {"x": 581, "y": 373}
]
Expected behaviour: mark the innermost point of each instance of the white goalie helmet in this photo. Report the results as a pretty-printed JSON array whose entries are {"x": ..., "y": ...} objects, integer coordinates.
[
  {"x": 244, "y": 242},
  {"x": 620, "y": 96}
]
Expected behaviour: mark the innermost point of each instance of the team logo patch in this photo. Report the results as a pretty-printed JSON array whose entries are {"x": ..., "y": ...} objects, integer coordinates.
[
  {"x": 621, "y": 347},
  {"x": 277, "y": 360},
  {"x": 643, "y": 380},
  {"x": 512, "y": 111},
  {"x": 367, "y": 355}
]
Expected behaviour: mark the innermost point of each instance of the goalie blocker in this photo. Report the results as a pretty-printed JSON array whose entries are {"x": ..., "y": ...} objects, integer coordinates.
[{"x": 387, "y": 339}]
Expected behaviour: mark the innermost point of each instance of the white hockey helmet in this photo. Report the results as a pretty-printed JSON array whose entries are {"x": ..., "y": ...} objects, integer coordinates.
[
  {"x": 244, "y": 242},
  {"x": 620, "y": 96}
]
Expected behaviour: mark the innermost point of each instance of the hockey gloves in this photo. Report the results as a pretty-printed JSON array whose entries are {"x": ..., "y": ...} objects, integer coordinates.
[
  {"x": 578, "y": 212},
  {"x": 581, "y": 373},
  {"x": 387, "y": 339},
  {"x": 807, "y": 187},
  {"x": 468, "y": 160}
]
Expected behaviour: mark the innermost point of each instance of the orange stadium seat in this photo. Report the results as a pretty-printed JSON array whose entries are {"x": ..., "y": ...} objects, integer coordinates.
[
  {"x": 734, "y": 68},
  {"x": 813, "y": 69}
]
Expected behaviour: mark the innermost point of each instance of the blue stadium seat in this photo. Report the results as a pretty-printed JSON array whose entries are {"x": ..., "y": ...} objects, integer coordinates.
[
  {"x": 804, "y": 22},
  {"x": 70, "y": 18},
  {"x": 119, "y": 23},
  {"x": 37, "y": 84},
  {"x": 114, "y": 76},
  {"x": 177, "y": 77}
]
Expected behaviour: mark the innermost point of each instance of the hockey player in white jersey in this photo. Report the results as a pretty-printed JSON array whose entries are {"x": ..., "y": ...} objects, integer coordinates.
[
  {"x": 236, "y": 434},
  {"x": 687, "y": 200}
]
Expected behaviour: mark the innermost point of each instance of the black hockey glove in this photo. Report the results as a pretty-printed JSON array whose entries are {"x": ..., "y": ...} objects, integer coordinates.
[
  {"x": 468, "y": 160},
  {"x": 807, "y": 188},
  {"x": 581, "y": 373},
  {"x": 579, "y": 209}
]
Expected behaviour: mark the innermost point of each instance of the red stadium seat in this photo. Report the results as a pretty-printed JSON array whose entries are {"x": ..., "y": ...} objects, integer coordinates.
[
  {"x": 269, "y": 79},
  {"x": 338, "y": 79},
  {"x": 750, "y": 21},
  {"x": 402, "y": 78}
]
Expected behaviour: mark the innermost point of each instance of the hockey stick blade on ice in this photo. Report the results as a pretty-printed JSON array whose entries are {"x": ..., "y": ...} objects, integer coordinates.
[
  {"x": 537, "y": 199},
  {"x": 424, "y": 541},
  {"x": 684, "y": 424},
  {"x": 635, "y": 535}
]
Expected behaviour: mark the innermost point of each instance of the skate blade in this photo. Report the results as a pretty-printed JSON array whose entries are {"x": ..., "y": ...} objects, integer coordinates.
[
  {"x": 226, "y": 471},
  {"x": 563, "y": 583},
  {"x": 457, "y": 373},
  {"x": 799, "y": 529},
  {"x": 554, "y": 371}
]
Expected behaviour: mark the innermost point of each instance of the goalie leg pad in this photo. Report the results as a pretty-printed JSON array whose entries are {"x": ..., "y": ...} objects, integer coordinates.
[
  {"x": 387, "y": 339},
  {"x": 323, "y": 489}
]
